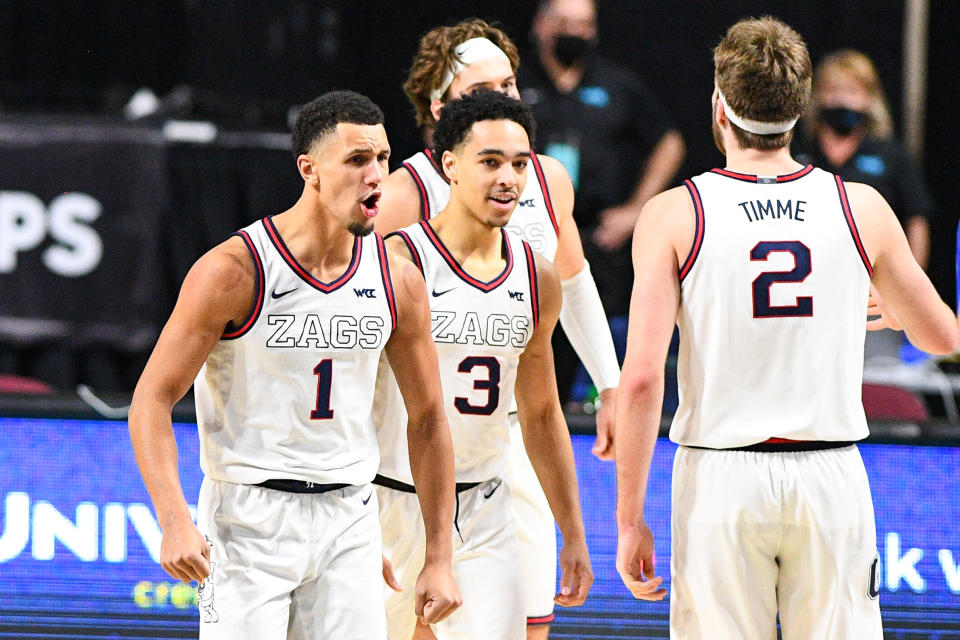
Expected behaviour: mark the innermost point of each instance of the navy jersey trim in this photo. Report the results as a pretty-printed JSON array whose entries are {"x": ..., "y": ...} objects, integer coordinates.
[
  {"x": 486, "y": 287},
  {"x": 414, "y": 253},
  {"x": 698, "y": 230},
  {"x": 546, "y": 191},
  {"x": 852, "y": 225},
  {"x": 436, "y": 166},
  {"x": 421, "y": 189},
  {"x": 325, "y": 287},
  {"x": 261, "y": 287},
  {"x": 746, "y": 177},
  {"x": 534, "y": 285},
  {"x": 387, "y": 281}
]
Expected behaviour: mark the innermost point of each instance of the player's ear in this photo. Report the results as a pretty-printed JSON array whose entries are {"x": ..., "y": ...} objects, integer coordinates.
[
  {"x": 449, "y": 164},
  {"x": 436, "y": 106},
  {"x": 308, "y": 170}
]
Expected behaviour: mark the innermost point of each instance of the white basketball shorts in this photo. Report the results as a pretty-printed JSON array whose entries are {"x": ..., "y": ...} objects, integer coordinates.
[
  {"x": 485, "y": 564},
  {"x": 290, "y": 565},
  {"x": 754, "y": 532},
  {"x": 536, "y": 530}
]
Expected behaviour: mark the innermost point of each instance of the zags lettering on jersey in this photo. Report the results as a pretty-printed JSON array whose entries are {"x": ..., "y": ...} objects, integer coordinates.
[
  {"x": 499, "y": 330},
  {"x": 311, "y": 331}
]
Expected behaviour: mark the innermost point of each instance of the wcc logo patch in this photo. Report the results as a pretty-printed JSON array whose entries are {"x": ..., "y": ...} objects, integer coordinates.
[{"x": 365, "y": 293}]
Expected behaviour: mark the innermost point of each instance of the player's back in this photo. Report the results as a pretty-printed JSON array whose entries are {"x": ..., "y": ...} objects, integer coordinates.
[
  {"x": 533, "y": 220},
  {"x": 772, "y": 312},
  {"x": 289, "y": 394},
  {"x": 480, "y": 329}
]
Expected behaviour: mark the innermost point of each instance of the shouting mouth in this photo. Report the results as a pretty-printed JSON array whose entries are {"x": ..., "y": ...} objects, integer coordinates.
[{"x": 369, "y": 205}]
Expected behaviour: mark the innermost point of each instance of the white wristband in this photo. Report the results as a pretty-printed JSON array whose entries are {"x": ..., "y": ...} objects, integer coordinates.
[{"x": 586, "y": 326}]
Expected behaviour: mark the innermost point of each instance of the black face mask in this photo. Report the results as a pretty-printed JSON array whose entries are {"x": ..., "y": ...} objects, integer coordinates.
[
  {"x": 570, "y": 50},
  {"x": 842, "y": 120}
]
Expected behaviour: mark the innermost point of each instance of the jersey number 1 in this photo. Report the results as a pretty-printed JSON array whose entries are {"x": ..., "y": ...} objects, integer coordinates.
[
  {"x": 761, "y": 286},
  {"x": 324, "y": 373}
]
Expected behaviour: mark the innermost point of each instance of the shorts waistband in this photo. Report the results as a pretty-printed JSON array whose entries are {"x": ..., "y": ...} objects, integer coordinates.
[
  {"x": 300, "y": 486},
  {"x": 777, "y": 445},
  {"x": 396, "y": 485}
]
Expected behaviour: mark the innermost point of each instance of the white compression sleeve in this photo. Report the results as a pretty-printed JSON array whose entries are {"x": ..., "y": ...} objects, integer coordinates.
[{"x": 586, "y": 326}]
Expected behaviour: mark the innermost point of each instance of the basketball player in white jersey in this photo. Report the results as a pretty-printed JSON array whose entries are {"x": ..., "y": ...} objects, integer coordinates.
[
  {"x": 282, "y": 326},
  {"x": 452, "y": 61},
  {"x": 494, "y": 303},
  {"x": 766, "y": 267}
]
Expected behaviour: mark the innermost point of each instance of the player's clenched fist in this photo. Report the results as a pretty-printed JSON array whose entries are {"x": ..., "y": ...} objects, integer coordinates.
[
  {"x": 635, "y": 563},
  {"x": 184, "y": 552},
  {"x": 437, "y": 593}
]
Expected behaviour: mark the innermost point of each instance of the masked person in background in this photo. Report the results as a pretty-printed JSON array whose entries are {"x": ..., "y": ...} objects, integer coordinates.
[
  {"x": 850, "y": 132},
  {"x": 612, "y": 135}
]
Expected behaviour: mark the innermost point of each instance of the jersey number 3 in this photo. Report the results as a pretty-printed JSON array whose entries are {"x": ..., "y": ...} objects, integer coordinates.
[
  {"x": 491, "y": 385},
  {"x": 761, "y": 286}
]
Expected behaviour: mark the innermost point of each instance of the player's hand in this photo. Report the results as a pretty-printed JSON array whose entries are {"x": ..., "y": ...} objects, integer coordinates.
[
  {"x": 184, "y": 552},
  {"x": 603, "y": 447},
  {"x": 885, "y": 317},
  {"x": 576, "y": 574},
  {"x": 635, "y": 563},
  {"x": 615, "y": 228},
  {"x": 388, "y": 577},
  {"x": 437, "y": 593}
]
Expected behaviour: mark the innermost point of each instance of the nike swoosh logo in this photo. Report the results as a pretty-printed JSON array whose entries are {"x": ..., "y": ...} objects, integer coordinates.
[
  {"x": 275, "y": 295},
  {"x": 493, "y": 490},
  {"x": 367, "y": 499},
  {"x": 440, "y": 293}
]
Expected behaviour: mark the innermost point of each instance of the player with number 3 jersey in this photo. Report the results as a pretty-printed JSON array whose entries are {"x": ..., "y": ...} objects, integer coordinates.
[{"x": 494, "y": 303}]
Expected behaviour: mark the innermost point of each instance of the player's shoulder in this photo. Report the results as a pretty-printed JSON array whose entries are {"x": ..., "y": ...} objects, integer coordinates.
[
  {"x": 667, "y": 203},
  {"x": 227, "y": 261}
]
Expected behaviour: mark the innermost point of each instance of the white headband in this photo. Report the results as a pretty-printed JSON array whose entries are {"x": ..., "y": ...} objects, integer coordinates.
[
  {"x": 755, "y": 126},
  {"x": 466, "y": 53}
]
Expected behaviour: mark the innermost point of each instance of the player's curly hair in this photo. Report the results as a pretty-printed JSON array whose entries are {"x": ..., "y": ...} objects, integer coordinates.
[
  {"x": 320, "y": 116},
  {"x": 458, "y": 116},
  {"x": 436, "y": 55}
]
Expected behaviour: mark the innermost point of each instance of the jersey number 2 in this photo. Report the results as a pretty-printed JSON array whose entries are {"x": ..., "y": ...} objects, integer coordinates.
[
  {"x": 761, "y": 286},
  {"x": 491, "y": 385},
  {"x": 324, "y": 373}
]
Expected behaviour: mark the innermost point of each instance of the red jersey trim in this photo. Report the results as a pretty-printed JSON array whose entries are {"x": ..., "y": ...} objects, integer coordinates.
[
  {"x": 387, "y": 281},
  {"x": 459, "y": 271},
  {"x": 413, "y": 249},
  {"x": 421, "y": 189},
  {"x": 261, "y": 287},
  {"x": 325, "y": 287},
  {"x": 852, "y": 225},
  {"x": 534, "y": 285},
  {"x": 546, "y": 191},
  {"x": 698, "y": 230},
  {"x": 746, "y": 177}
]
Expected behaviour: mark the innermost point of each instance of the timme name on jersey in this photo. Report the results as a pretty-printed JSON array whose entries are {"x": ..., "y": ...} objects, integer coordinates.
[
  {"x": 297, "y": 372},
  {"x": 776, "y": 262},
  {"x": 480, "y": 329},
  {"x": 533, "y": 219}
]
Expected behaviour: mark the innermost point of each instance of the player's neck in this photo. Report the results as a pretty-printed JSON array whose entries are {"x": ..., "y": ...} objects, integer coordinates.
[
  {"x": 319, "y": 242},
  {"x": 761, "y": 163},
  {"x": 471, "y": 241}
]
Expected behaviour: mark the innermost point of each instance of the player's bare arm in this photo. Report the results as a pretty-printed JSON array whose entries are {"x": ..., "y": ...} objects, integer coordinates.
[
  {"x": 413, "y": 357},
  {"x": 570, "y": 263},
  {"x": 399, "y": 202},
  {"x": 218, "y": 290},
  {"x": 904, "y": 287},
  {"x": 547, "y": 440},
  {"x": 661, "y": 237},
  {"x": 617, "y": 223}
]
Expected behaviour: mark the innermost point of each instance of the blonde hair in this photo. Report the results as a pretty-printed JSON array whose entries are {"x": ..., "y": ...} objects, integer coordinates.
[
  {"x": 763, "y": 69},
  {"x": 853, "y": 66},
  {"x": 436, "y": 56}
]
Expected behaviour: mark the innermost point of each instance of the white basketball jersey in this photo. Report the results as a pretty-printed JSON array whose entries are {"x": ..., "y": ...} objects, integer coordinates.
[
  {"x": 772, "y": 312},
  {"x": 289, "y": 394},
  {"x": 480, "y": 329},
  {"x": 533, "y": 219}
]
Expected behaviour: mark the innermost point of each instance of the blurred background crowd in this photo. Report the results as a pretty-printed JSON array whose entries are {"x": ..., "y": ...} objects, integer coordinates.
[{"x": 135, "y": 136}]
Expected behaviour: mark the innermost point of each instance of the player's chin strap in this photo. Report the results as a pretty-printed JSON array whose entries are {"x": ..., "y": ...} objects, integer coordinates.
[{"x": 585, "y": 324}]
